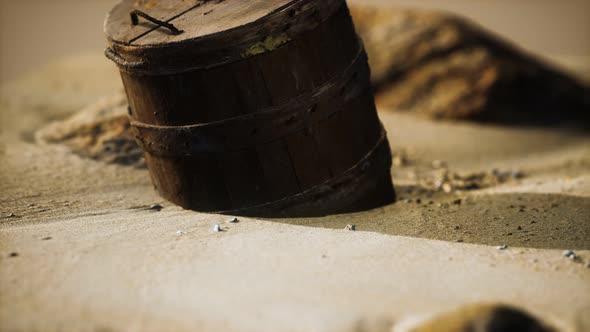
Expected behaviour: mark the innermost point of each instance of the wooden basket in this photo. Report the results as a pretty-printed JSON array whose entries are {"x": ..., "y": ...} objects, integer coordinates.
[{"x": 258, "y": 107}]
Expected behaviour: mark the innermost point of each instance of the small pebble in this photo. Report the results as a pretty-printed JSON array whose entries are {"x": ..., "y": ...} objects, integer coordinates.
[
  {"x": 430, "y": 202},
  {"x": 517, "y": 175},
  {"x": 569, "y": 254},
  {"x": 502, "y": 247},
  {"x": 408, "y": 200},
  {"x": 351, "y": 227},
  {"x": 180, "y": 232},
  {"x": 13, "y": 254},
  {"x": 418, "y": 201},
  {"x": 519, "y": 228},
  {"x": 400, "y": 161},
  {"x": 156, "y": 207},
  {"x": 217, "y": 228},
  {"x": 439, "y": 164},
  {"x": 457, "y": 201},
  {"x": 233, "y": 220},
  {"x": 460, "y": 240},
  {"x": 10, "y": 215},
  {"x": 446, "y": 187},
  {"x": 47, "y": 238}
]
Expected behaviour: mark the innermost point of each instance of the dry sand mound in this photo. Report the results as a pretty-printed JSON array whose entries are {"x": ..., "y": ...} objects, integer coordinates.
[{"x": 444, "y": 66}]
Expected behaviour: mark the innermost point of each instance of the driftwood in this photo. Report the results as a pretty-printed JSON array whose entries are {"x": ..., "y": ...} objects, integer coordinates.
[{"x": 444, "y": 66}]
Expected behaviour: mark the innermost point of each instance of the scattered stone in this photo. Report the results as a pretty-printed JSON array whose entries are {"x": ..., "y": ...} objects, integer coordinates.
[
  {"x": 569, "y": 254},
  {"x": 438, "y": 185},
  {"x": 457, "y": 228},
  {"x": 350, "y": 227},
  {"x": 217, "y": 228},
  {"x": 460, "y": 241},
  {"x": 457, "y": 201},
  {"x": 180, "y": 232},
  {"x": 408, "y": 200},
  {"x": 439, "y": 164},
  {"x": 521, "y": 209},
  {"x": 47, "y": 238},
  {"x": 430, "y": 202},
  {"x": 10, "y": 215},
  {"x": 517, "y": 175},
  {"x": 233, "y": 220},
  {"x": 502, "y": 247},
  {"x": 13, "y": 254},
  {"x": 400, "y": 159},
  {"x": 447, "y": 187},
  {"x": 519, "y": 228},
  {"x": 156, "y": 207},
  {"x": 418, "y": 201}
]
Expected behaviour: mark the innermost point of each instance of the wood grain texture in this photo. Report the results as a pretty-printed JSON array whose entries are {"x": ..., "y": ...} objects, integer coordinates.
[{"x": 283, "y": 125}]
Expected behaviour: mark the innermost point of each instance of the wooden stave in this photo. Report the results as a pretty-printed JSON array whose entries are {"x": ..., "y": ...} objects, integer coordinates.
[{"x": 241, "y": 190}]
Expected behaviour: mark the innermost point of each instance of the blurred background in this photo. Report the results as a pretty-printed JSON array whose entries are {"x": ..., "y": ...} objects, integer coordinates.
[{"x": 33, "y": 32}]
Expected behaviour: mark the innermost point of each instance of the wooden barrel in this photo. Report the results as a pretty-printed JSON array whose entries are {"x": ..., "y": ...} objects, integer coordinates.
[{"x": 258, "y": 107}]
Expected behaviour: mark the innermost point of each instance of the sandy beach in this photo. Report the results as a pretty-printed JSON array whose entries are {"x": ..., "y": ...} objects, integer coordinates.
[{"x": 81, "y": 249}]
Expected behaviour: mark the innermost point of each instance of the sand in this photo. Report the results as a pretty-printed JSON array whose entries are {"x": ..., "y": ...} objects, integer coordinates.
[{"x": 80, "y": 250}]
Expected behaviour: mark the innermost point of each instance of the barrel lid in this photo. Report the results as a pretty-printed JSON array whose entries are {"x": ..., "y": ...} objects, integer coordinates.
[
  {"x": 195, "y": 18},
  {"x": 158, "y": 37}
]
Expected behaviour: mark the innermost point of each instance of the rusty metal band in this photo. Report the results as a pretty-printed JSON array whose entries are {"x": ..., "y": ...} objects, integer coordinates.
[
  {"x": 265, "y": 126},
  {"x": 339, "y": 191},
  {"x": 224, "y": 47}
]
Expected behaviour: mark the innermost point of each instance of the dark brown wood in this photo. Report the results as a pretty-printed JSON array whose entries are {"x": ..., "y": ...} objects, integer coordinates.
[{"x": 258, "y": 107}]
